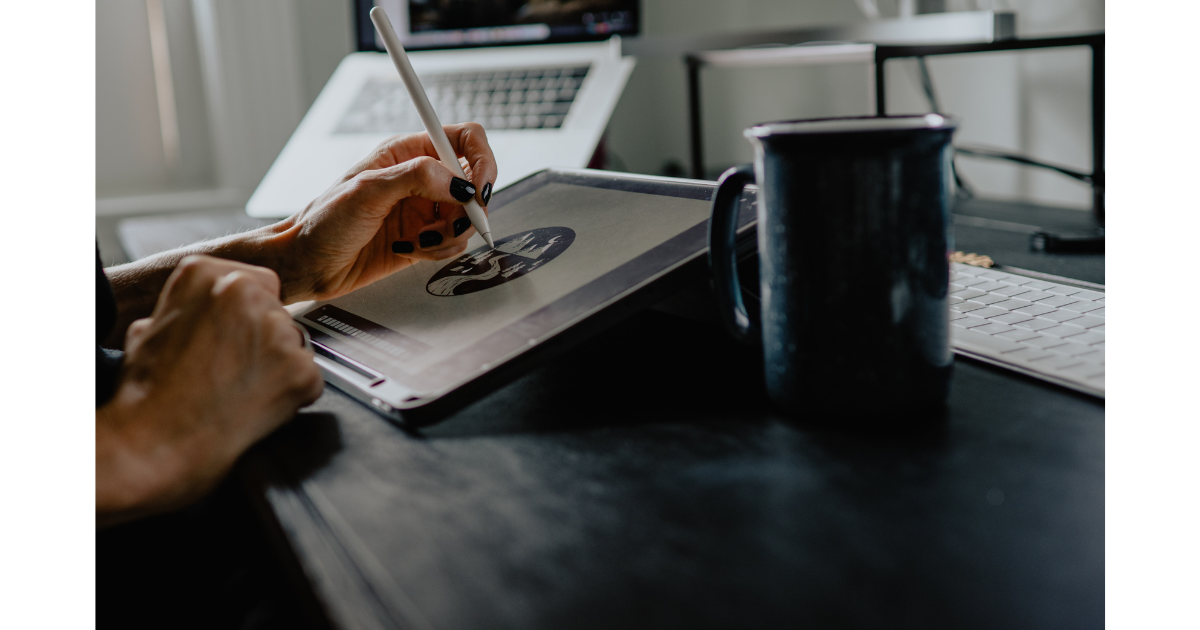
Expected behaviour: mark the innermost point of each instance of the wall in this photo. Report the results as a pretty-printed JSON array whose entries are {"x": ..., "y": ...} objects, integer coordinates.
[{"x": 1035, "y": 103}]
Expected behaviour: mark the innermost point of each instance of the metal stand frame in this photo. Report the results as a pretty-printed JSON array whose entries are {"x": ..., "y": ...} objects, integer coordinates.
[
  {"x": 882, "y": 53},
  {"x": 1093, "y": 41}
]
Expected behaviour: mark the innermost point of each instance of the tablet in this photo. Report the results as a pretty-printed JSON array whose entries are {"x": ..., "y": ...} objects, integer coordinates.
[{"x": 576, "y": 251}]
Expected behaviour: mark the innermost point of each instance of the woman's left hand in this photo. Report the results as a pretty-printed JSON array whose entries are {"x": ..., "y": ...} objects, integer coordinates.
[{"x": 397, "y": 206}]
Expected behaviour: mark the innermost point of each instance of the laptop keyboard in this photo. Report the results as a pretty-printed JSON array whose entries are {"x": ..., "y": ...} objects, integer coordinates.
[
  {"x": 523, "y": 98},
  {"x": 1051, "y": 331}
]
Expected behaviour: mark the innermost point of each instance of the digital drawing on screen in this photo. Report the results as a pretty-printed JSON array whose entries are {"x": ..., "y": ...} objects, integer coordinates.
[{"x": 513, "y": 257}]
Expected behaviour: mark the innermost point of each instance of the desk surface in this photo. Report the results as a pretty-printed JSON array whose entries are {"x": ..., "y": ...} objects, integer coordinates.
[{"x": 640, "y": 481}]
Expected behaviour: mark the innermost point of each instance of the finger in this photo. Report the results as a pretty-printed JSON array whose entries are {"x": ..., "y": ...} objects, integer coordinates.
[
  {"x": 395, "y": 150},
  {"x": 470, "y": 141},
  {"x": 426, "y": 228},
  {"x": 302, "y": 380},
  {"x": 421, "y": 176}
]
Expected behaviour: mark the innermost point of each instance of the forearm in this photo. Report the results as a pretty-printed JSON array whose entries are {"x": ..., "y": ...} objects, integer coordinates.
[
  {"x": 126, "y": 481},
  {"x": 138, "y": 284}
]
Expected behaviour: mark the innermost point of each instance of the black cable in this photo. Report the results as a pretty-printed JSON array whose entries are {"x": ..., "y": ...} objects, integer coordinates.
[
  {"x": 964, "y": 188},
  {"x": 1020, "y": 159}
]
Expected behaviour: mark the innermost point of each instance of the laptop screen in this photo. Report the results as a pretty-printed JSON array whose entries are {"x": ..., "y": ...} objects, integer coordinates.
[{"x": 428, "y": 24}]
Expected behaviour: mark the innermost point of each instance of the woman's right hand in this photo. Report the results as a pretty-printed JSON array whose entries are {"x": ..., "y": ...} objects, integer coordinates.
[{"x": 215, "y": 368}]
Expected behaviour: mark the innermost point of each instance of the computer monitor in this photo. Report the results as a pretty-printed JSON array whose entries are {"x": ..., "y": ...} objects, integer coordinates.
[{"x": 430, "y": 24}]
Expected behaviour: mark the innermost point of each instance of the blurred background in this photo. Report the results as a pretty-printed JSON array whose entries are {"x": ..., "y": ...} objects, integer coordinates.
[{"x": 195, "y": 98}]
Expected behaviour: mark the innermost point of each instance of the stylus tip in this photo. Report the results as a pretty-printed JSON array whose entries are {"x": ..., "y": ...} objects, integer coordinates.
[{"x": 487, "y": 236}]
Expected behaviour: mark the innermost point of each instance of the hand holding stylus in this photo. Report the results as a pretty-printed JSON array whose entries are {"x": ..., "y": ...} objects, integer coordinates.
[{"x": 428, "y": 117}]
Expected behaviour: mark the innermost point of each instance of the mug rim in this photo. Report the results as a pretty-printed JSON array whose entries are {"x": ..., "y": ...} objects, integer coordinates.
[{"x": 852, "y": 124}]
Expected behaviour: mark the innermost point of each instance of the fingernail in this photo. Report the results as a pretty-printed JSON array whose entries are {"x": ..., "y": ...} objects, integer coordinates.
[
  {"x": 461, "y": 225},
  {"x": 461, "y": 189},
  {"x": 402, "y": 247},
  {"x": 487, "y": 193},
  {"x": 430, "y": 239}
]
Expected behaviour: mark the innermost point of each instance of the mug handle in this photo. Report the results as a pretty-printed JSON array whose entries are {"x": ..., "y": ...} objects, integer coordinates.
[{"x": 722, "y": 252}]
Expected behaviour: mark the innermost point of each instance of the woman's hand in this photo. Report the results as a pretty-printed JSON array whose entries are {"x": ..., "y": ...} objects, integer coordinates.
[
  {"x": 397, "y": 206},
  {"x": 217, "y": 366}
]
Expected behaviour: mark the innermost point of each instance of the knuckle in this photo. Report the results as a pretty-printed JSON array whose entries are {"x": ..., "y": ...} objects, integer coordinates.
[
  {"x": 240, "y": 290},
  {"x": 192, "y": 268},
  {"x": 474, "y": 129},
  {"x": 424, "y": 166}
]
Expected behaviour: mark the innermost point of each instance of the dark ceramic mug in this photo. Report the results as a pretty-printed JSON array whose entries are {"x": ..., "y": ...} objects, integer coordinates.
[{"x": 853, "y": 247}]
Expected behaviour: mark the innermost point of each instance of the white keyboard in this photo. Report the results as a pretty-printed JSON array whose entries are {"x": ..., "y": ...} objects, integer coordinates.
[
  {"x": 520, "y": 98},
  {"x": 1048, "y": 330}
]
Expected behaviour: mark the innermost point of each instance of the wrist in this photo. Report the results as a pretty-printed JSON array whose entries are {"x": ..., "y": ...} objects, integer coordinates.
[
  {"x": 136, "y": 471},
  {"x": 278, "y": 247}
]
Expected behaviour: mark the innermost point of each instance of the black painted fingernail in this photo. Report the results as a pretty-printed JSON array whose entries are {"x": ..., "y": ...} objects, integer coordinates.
[
  {"x": 431, "y": 238},
  {"x": 461, "y": 225},
  {"x": 461, "y": 189},
  {"x": 487, "y": 193},
  {"x": 402, "y": 247}
]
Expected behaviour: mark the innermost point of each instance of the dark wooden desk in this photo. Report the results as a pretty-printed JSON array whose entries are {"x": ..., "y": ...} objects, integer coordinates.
[{"x": 641, "y": 481}]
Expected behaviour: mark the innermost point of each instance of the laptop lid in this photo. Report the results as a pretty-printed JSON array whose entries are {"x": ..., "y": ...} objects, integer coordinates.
[{"x": 440, "y": 24}]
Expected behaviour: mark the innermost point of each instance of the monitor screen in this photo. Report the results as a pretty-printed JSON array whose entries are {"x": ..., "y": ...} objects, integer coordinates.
[{"x": 427, "y": 24}]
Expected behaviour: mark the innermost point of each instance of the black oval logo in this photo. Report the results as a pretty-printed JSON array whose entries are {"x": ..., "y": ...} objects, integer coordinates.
[{"x": 513, "y": 257}]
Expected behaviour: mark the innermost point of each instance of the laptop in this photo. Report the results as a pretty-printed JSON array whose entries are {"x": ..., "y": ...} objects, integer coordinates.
[{"x": 541, "y": 77}]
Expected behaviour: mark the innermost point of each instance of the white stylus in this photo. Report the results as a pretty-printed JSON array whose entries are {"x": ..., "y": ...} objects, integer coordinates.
[{"x": 428, "y": 117}]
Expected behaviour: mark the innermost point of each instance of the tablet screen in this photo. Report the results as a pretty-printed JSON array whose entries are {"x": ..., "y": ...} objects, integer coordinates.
[{"x": 564, "y": 250}]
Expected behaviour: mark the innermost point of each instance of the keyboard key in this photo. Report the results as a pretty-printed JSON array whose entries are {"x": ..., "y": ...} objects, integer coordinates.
[
  {"x": 1099, "y": 328},
  {"x": 1072, "y": 349},
  {"x": 1011, "y": 318},
  {"x": 1035, "y": 309},
  {"x": 1057, "y": 300},
  {"x": 1012, "y": 290},
  {"x": 1088, "y": 321},
  {"x": 1012, "y": 305},
  {"x": 968, "y": 293},
  {"x": 1039, "y": 285},
  {"x": 996, "y": 344},
  {"x": 1036, "y": 296},
  {"x": 1035, "y": 324},
  {"x": 1064, "y": 331},
  {"x": 1098, "y": 312},
  {"x": 994, "y": 275},
  {"x": 1059, "y": 316},
  {"x": 1083, "y": 370},
  {"x": 1042, "y": 341},
  {"x": 956, "y": 287},
  {"x": 1026, "y": 354},
  {"x": 966, "y": 307},
  {"x": 989, "y": 285},
  {"x": 1088, "y": 337},
  {"x": 968, "y": 281},
  {"x": 1063, "y": 289},
  {"x": 993, "y": 329},
  {"x": 988, "y": 311},
  {"x": 1090, "y": 295},
  {"x": 970, "y": 270},
  {"x": 1018, "y": 334},
  {"x": 989, "y": 298},
  {"x": 970, "y": 321},
  {"x": 1100, "y": 301},
  {"x": 1083, "y": 306},
  {"x": 956, "y": 315},
  {"x": 1093, "y": 357},
  {"x": 1055, "y": 362}
]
